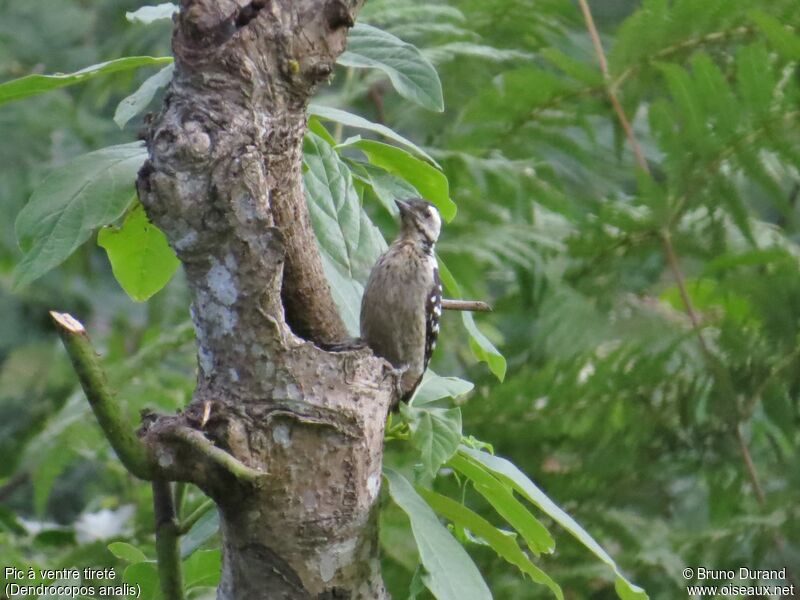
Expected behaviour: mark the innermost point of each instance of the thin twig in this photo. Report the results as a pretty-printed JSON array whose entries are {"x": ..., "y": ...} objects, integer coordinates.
[
  {"x": 167, "y": 536},
  {"x": 201, "y": 444},
  {"x": 194, "y": 516},
  {"x": 129, "y": 448},
  {"x": 601, "y": 57},
  {"x": 466, "y": 305},
  {"x": 751, "y": 467}
]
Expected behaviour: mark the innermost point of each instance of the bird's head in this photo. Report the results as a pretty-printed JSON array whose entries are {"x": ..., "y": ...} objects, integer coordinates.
[{"x": 420, "y": 221}]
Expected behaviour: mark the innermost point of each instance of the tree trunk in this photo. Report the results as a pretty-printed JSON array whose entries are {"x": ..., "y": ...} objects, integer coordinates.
[{"x": 285, "y": 437}]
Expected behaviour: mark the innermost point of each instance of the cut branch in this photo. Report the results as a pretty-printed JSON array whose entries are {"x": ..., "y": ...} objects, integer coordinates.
[
  {"x": 466, "y": 305},
  {"x": 129, "y": 448}
]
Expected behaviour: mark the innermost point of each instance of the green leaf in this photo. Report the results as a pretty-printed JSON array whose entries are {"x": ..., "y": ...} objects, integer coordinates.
[
  {"x": 32, "y": 85},
  {"x": 328, "y": 113},
  {"x": 411, "y": 74},
  {"x": 203, "y": 530},
  {"x": 429, "y": 181},
  {"x": 45, "y": 474},
  {"x": 91, "y": 191},
  {"x": 349, "y": 242},
  {"x": 145, "y": 575},
  {"x": 449, "y": 282},
  {"x": 435, "y": 387},
  {"x": 450, "y": 572},
  {"x": 449, "y": 51},
  {"x": 510, "y": 474},
  {"x": 316, "y": 126},
  {"x": 435, "y": 432},
  {"x": 483, "y": 349},
  {"x": 507, "y": 506},
  {"x": 148, "y": 14},
  {"x": 504, "y": 545},
  {"x": 582, "y": 71},
  {"x": 386, "y": 187},
  {"x": 127, "y": 552},
  {"x": 783, "y": 37},
  {"x": 10, "y": 523},
  {"x": 141, "y": 258},
  {"x": 132, "y": 105},
  {"x": 202, "y": 569}
]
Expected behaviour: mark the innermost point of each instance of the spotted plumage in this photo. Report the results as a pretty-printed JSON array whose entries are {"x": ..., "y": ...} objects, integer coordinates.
[
  {"x": 402, "y": 302},
  {"x": 433, "y": 311}
]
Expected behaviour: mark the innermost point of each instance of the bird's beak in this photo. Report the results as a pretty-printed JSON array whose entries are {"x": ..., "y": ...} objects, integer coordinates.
[{"x": 403, "y": 206}]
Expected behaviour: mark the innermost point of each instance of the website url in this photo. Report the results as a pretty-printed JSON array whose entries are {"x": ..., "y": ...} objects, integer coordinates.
[{"x": 705, "y": 591}]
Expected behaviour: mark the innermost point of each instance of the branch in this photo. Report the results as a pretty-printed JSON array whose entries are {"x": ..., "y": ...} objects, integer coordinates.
[
  {"x": 167, "y": 536},
  {"x": 132, "y": 451},
  {"x": 466, "y": 305},
  {"x": 201, "y": 445},
  {"x": 129, "y": 448}
]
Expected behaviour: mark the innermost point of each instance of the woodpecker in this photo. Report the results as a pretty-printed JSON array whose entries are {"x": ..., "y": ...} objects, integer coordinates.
[{"x": 402, "y": 301}]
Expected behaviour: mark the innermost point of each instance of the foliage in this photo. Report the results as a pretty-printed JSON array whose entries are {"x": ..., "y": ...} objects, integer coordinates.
[{"x": 612, "y": 399}]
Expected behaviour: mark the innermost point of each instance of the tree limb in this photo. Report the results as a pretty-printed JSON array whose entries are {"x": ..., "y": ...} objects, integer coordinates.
[{"x": 129, "y": 448}]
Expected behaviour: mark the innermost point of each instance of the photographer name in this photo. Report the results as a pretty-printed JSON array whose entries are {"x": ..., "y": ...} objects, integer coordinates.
[{"x": 742, "y": 573}]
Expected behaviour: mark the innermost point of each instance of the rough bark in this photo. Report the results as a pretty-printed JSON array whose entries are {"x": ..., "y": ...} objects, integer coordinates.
[{"x": 286, "y": 438}]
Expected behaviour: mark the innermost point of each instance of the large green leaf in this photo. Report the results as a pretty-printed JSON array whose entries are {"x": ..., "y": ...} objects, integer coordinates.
[
  {"x": 483, "y": 349},
  {"x": 435, "y": 432},
  {"x": 503, "y": 544},
  {"x": 411, "y": 74},
  {"x": 429, "y": 181},
  {"x": 507, "y": 506},
  {"x": 510, "y": 474},
  {"x": 141, "y": 258},
  {"x": 348, "y": 240},
  {"x": 202, "y": 569},
  {"x": 203, "y": 530},
  {"x": 127, "y": 552},
  {"x": 144, "y": 575},
  {"x": 435, "y": 387},
  {"x": 91, "y": 191},
  {"x": 132, "y": 105},
  {"x": 450, "y": 572},
  {"x": 328, "y": 113},
  {"x": 32, "y": 85},
  {"x": 386, "y": 187}
]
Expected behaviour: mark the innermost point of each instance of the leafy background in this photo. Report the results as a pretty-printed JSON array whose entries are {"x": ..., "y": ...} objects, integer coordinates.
[{"x": 609, "y": 401}]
